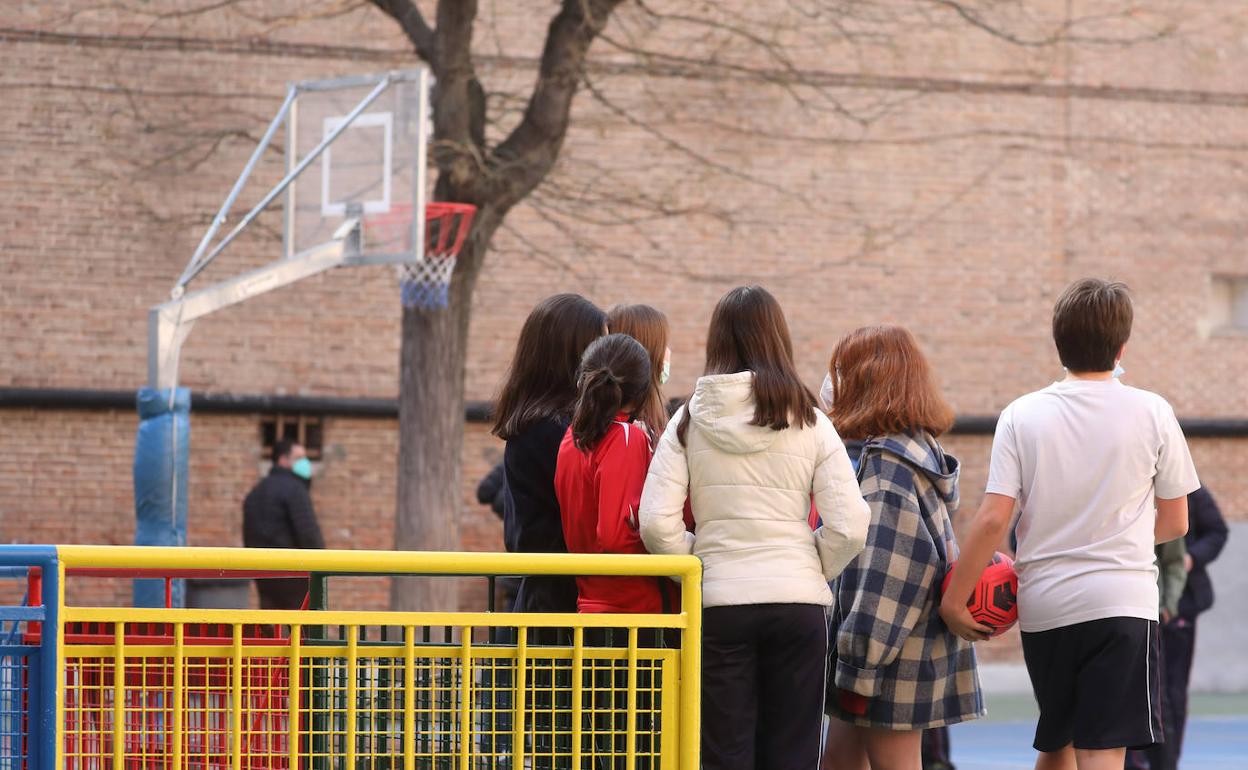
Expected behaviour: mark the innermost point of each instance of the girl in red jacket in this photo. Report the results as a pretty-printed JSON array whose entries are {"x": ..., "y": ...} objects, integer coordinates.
[{"x": 600, "y": 473}]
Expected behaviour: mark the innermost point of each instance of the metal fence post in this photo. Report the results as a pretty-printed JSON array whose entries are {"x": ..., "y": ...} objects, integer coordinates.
[{"x": 44, "y": 687}]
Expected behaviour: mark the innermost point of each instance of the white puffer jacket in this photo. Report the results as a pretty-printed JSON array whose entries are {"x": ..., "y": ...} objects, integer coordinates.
[{"x": 750, "y": 488}]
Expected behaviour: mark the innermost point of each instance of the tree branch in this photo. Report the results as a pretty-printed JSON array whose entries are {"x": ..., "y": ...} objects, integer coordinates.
[
  {"x": 459, "y": 109},
  {"x": 1063, "y": 34},
  {"x": 526, "y": 156},
  {"x": 413, "y": 25}
]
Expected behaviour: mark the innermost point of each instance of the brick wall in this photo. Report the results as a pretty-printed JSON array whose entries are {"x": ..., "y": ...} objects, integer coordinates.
[{"x": 974, "y": 180}]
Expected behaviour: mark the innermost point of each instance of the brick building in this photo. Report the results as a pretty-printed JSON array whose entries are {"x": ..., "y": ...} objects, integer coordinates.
[{"x": 920, "y": 169}]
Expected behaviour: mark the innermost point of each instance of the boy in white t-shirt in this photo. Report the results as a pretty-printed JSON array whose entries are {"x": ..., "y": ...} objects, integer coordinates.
[{"x": 1101, "y": 473}]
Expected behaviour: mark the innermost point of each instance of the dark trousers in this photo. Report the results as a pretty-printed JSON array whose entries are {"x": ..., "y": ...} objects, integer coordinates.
[
  {"x": 763, "y": 669},
  {"x": 282, "y": 593},
  {"x": 1178, "y": 645}
]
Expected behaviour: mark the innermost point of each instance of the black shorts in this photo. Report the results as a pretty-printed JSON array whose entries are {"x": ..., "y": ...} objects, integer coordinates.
[{"x": 1098, "y": 684}]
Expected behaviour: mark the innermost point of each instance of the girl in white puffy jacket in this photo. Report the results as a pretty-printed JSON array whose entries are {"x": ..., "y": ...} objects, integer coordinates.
[{"x": 750, "y": 450}]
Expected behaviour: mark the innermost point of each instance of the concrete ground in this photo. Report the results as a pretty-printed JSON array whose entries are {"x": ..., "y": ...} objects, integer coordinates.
[{"x": 1217, "y": 735}]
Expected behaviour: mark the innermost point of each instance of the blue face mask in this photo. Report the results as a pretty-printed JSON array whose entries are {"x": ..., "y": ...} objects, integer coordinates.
[
  {"x": 302, "y": 468},
  {"x": 1118, "y": 370}
]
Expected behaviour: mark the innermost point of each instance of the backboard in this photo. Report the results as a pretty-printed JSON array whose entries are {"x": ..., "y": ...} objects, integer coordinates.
[
  {"x": 356, "y": 155},
  {"x": 374, "y": 169}
]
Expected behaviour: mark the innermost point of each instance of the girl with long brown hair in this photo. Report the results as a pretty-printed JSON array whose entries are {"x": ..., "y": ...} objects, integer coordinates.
[
  {"x": 750, "y": 450},
  {"x": 896, "y": 668},
  {"x": 534, "y": 410},
  {"x": 649, "y": 327}
]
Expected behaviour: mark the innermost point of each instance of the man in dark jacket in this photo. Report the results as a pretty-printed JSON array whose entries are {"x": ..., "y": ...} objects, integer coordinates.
[
  {"x": 1206, "y": 534},
  {"x": 278, "y": 514}
]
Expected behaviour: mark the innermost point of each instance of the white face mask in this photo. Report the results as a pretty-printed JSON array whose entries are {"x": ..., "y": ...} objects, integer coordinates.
[
  {"x": 666, "y": 374},
  {"x": 825, "y": 392}
]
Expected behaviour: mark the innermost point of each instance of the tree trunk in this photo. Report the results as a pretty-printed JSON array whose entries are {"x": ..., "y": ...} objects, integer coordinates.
[
  {"x": 431, "y": 428},
  {"x": 435, "y": 343}
]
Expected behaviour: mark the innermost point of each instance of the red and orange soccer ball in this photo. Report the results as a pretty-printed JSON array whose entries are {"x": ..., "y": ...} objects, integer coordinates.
[{"x": 994, "y": 601}]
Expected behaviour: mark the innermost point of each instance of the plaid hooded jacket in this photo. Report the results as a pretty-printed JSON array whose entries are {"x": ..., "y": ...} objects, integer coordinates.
[{"x": 888, "y": 641}]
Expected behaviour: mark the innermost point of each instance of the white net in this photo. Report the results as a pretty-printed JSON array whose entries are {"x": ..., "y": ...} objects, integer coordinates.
[{"x": 426, "y": 284}]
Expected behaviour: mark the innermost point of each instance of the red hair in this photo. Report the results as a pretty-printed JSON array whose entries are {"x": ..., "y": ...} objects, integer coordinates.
[{"x": 883, "y": 384}]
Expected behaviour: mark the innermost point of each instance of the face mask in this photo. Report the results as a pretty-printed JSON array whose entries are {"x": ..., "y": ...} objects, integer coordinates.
[
  {"x": 667, "y": 371},
  {"x": 825, "y": 392},
  {"x": 1118, "y": 370},
  {"x": 302, "y": 468}
]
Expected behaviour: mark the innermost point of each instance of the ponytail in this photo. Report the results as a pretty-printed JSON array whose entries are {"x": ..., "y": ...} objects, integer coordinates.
[
  {"x": 599, "y": 400},
  {"x": 614, "y": 373}
]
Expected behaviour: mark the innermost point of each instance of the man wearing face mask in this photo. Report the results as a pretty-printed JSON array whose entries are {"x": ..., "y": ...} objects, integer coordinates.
[{"x": 278, "y": 513}]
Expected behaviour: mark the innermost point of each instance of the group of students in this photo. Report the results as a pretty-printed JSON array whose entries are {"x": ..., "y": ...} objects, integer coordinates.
[{"x": 823, "y": 523}]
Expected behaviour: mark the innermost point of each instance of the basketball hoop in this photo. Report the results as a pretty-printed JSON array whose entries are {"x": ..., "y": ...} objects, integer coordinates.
[{"x": 425, "y": 284}]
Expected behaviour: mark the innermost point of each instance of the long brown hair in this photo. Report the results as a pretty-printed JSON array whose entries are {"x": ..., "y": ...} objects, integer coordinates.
[
  {"x": 614, "y": 373},
  {"x": 749, "y": 333},
  {"x": 649, "y": 327},
  {"x": 883, "y": 384},
  {"x": 542, "y": 380}
]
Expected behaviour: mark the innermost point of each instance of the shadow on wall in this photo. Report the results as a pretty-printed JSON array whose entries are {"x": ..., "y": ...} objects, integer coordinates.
[{"x": 1222, "y": 633}]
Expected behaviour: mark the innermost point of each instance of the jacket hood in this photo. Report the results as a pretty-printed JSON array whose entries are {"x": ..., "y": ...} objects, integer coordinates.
[
  {"x": 922, "y": 452},
  {"x": 722, "y": 407}
]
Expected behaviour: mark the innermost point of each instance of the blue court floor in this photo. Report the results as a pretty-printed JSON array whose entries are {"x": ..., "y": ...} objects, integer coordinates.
[{"x": 1217, "y": 736}]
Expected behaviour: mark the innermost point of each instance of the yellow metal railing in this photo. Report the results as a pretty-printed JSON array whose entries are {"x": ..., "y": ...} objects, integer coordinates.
[{"x": 347, "y": 690}]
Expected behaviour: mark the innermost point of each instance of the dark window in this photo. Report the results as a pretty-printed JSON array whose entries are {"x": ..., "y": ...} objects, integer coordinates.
[{"x": 308, "y": 430}]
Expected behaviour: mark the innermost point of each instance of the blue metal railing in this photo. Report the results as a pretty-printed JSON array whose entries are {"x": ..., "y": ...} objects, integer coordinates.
[
  {"x": 13, "y": 683},
  {"x": 14, "y": 695},
  {"x": 28, "y": 736}
]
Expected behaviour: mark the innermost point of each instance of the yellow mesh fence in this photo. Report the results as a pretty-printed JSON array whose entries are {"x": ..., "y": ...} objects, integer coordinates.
[
  {"x": 149, "y": 689},
  {"x": 362, "y": 703}
]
